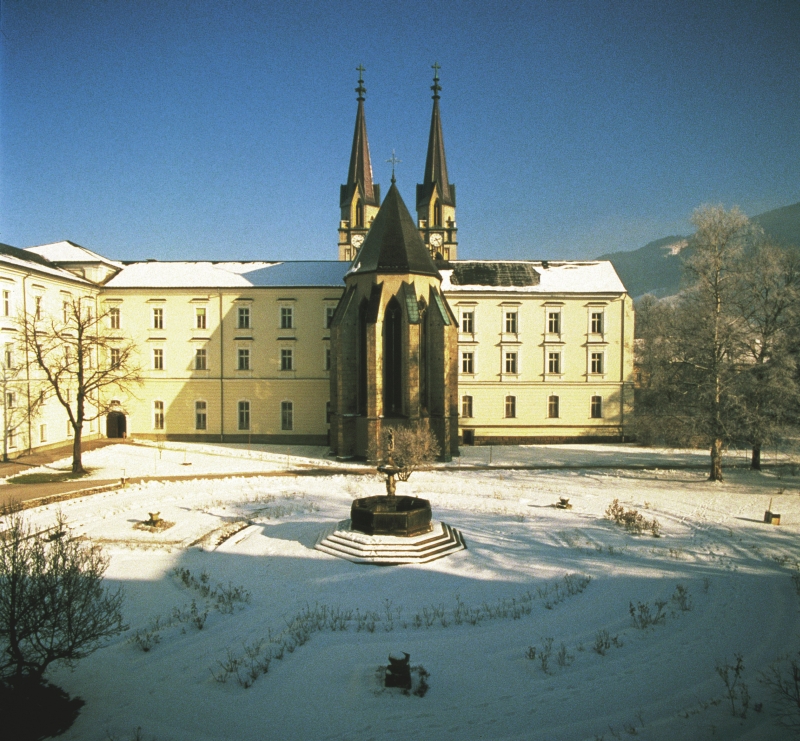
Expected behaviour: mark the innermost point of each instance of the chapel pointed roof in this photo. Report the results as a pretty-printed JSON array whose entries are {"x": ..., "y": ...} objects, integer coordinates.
[
  {"x": 359, "y": 174},
  {"x": 393, "y": 244},
  {"x": 436, "y": 162}
]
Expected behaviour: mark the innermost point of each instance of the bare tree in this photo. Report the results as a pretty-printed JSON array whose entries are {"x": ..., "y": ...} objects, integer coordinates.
[
  {"x": 81, "y": 360},
  {"x": 766, "y": 299},
  {"x": 53, "y": 606},
  {"x": 411, "y": 448},
  {"x": 693, "y": 345},
  {"x": 21, "y": 401}
]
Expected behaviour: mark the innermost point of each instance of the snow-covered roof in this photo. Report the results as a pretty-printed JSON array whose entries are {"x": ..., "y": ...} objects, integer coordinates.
[
  {"x": 553, "y": 277},
  {"x": 16, "y": 257},
  {"x": 65, "y": 252},
  {"x": 309, "y": 273}
]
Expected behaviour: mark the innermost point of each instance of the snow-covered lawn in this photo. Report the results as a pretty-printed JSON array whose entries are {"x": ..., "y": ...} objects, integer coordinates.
[{"x": 472, "y": 619}]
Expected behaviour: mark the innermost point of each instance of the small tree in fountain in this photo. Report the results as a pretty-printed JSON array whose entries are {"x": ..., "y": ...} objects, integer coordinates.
[
  {"x": 82, "y": 358},
  {"x": 411, "y": 449}
]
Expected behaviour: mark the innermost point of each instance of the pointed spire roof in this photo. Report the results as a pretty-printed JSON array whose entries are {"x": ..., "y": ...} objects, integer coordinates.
[
  {"x": 393, "y": 244},
  {"x": 436, "y": 162},
  {"x": 359, "y": 174}
]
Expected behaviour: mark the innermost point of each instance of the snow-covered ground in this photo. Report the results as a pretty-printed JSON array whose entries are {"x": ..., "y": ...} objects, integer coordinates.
[{"x": 471, "y": 619}]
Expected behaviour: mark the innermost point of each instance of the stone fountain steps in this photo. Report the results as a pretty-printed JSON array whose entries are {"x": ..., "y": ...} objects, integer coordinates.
[{"x": 343, "y": 542}]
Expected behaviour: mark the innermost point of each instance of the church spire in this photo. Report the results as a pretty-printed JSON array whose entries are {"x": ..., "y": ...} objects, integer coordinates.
[
  {"x": 436, "y": 162},
  {"x": 436, "y": 195},
  {"x": 359, "y": 197}
]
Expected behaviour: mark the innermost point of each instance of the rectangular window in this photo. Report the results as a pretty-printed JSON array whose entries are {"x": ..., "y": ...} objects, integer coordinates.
[
  {"x": 597, "y": 407},
  {"x": 552, "y": 407},
  {"x": 597, "y": 322},
  {"x": 7, "y": 303},
  {"x": 327, "y": 358},
  {"x": 467, "y": 362},
  {"x": 327, "y": 412},
  {"x": 43, "y": 433},
  {"x": 115, "y": 357},
  {"x": 511, "y": 406},
  {"x": 287, "y": 359},
  {"x": 597, "y": 362},
  {"x": 200, "y": 317},
  {"x": 244, "y": 359},
  {"x": 158, "y": 415},
  {"x": 466, "y": 406},
  {"x": 114, "y": 318},
  {"x": 287, "y": 317},
  {"x": 200, "y": 415},
  {"x": 12, "y": 438},
  {"x": 158, "y": 359},
  {"x": 65, "y": 311},
  {"x": 200, "y": 359},
  {"x": 9, "y": 357},
  {"x": 11, "y": 400},
  {"x": 70, "y": 431},
  {"x": 243, "y": 317},
  {"x": 511, "y": 322},
  {"x": 511, "y": 362},
  {"x": 287, "y": 415},
  {"x": 468, "y": 322},
  {"x": 38, "y": 309},
  {"x": 329, "y": 312},
  {"x": 554, "y": 322},
  {"x": 554, "y": 362},
  {"x": 158, "y": 318},
  {"x": 244, "y": 415}
]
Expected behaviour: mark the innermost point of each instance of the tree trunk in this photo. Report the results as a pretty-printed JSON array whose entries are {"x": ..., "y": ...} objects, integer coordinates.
[
  {"x": 755, "y": 460},
  {"x": 716, "y": 460},
  {"x": 77, "y": 463}
]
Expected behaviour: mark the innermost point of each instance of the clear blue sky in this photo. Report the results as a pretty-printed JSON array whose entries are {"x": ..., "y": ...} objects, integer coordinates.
[{"x": 221, "y": 129}]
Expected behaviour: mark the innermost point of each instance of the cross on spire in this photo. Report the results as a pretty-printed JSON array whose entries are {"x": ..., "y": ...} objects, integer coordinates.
[
  {"x": 436, "y": 87},
  {"x": 393, "y": 159},
  {"x": 361, "y": 89}
]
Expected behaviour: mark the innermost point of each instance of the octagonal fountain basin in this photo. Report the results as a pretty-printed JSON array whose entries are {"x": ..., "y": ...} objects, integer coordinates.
[{"x": 399, "y": 516}]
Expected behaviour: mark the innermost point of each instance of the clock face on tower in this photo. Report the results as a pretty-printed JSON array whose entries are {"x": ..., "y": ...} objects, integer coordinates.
[
  {"x": 357, "y": 240},
  {"x": 436, "y": 240}
]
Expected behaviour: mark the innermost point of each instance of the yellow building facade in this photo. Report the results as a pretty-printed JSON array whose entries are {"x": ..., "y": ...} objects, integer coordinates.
[{"x": 241, "y": 351}]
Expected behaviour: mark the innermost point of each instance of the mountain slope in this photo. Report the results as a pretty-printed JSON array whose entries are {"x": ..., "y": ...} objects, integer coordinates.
[{"x": 656, "y": 267}]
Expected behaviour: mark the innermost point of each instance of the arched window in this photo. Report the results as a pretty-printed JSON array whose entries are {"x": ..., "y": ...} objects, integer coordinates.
[
  {"x": 392, "y": 359},
  {"x": 359, "y": 213}
]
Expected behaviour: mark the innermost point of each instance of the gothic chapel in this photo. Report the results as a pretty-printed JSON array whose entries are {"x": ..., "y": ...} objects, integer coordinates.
[{"x": 398, "y": 332}]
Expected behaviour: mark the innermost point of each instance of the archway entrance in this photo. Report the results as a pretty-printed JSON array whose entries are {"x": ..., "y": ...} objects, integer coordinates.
[{"x": 116, "y": 425}]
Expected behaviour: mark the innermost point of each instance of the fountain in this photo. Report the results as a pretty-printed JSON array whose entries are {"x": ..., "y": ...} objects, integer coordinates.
[{"x": 390, "y": 529}]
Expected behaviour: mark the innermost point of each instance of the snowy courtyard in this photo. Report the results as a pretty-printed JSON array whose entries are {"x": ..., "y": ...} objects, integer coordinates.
[{"x": 552, "y": 624}]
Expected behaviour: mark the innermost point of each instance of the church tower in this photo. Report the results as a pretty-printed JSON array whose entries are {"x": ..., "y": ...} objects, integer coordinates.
[
  {"x": 359, "y": 197},
  {"x": 394, "y": 342},
  {"x": 436, "y": 195}
]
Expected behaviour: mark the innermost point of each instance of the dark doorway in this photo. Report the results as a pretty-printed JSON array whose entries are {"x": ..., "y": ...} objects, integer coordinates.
[
  {"x": 116, "y": 425},
  {"x": 469, "y": 437}
]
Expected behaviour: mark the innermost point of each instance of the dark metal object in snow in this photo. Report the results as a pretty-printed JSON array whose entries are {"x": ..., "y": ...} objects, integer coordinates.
[
  {"x": 391, "y": 515},
  {"x": 398, "y": 673}
]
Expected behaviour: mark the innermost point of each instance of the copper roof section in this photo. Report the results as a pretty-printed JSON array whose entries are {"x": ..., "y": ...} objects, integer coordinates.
[
  {"x": 393, "y": 244},
  {"x": 436, "y": 162},
  {"x": 359, "y": 175}
]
